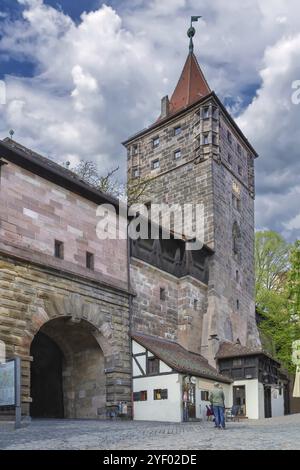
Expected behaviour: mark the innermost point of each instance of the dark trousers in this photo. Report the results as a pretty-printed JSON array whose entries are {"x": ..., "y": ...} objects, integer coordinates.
[{"x": 219, "y": 416}]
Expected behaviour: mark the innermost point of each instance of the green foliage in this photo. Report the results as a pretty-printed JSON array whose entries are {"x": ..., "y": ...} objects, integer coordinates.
[
  {"x": 278, "y": 294},
  {"x": 271, "y": 260},
  {"x": 293, "y": 283}
]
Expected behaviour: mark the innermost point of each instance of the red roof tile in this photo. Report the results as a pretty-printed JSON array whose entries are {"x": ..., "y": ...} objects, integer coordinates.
[
  {"x": 179, "y": 358},
  {"x": 191, "y": 86}
]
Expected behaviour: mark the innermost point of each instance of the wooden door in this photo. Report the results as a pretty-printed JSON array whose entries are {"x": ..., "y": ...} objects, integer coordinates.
[
  {"x": 192, "y": 401},
  {"x": 239, "y": 398},
  {"x": 268, "y": 405}
]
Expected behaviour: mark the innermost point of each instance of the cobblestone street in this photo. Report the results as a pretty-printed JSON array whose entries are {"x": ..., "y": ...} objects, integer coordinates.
[{"x": 276, "y": 433}]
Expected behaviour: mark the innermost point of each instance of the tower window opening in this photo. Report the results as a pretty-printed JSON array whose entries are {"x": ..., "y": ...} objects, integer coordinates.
[
  {"x": 162, "y": 293},
  {"x": 155, "y": 142},
  {"x": 205, "y": 139},
  {"x": 215, "y": 139},
  {"x": 155, "y": 164},
  {"x": 90, "y": 261},
  {"x": 177, "y": 130},
  {"x": 58, "y": 249},
  {"x": 135, "y": 173},
  {"x": 205, "y": 113},
  {"x": 177, "y": 154}
]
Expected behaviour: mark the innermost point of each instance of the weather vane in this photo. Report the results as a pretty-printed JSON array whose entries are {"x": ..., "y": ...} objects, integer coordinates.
[{"x": 191, "y": 32}]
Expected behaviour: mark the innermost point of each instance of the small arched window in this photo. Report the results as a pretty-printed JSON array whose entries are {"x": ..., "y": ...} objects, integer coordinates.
[{"x": 236, "y": 238}]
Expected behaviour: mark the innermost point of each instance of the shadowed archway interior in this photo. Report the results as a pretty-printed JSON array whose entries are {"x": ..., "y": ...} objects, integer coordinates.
[
  {"x": 46, "y": 378},
  {"x": 67, "y": 372}
]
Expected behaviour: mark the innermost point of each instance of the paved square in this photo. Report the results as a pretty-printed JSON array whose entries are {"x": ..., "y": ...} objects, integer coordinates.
[{"x": 276, "y": 433}]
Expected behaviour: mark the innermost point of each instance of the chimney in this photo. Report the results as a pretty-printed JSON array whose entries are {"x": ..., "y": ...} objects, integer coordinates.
[{"x": 165, "y": 105}]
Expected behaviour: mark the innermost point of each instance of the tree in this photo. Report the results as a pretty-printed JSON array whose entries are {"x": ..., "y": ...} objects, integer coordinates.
[
  {"x": 138, "y": 190},
  {"x": 278, "y": 295},
  {"x": 134, "y": 191},
  {"x": 271, "y": 261},
  {"x": 88, "y": 172},
  {"x": 293, "y": 283}
]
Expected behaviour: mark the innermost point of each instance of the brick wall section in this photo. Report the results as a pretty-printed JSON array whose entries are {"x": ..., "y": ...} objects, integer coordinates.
[
  {"x": 37, "y": 289},
  {"x": 179, "y": 316},
  {"x": 33, "y": 298},
  {"x": 151, "y": 315},
  {"x": 35, "y": 212}
]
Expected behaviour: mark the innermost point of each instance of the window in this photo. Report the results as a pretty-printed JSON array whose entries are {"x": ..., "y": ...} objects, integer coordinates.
[
  {"x": 250, "y": 372},
  {"x": 237, "y": 373},
  {"x": 204, "y": 395},
  {"x": 155, "y": 142},
  {"x": 240, "y": 170},
  {"x": 236, "y": 202},
  {"x": 177, "y": 130},
  {"x": 195, "y": 304},
  {"x": 160, "y": 394},
  {"x": 90, "y": 260},
  {"x": 229, "y": 137},
  {"x": 215, "y": 113},
  {"x": 155, "y": 164},
  {"x": 140, "y": 396},
  {"x": 237, "y": 304},
  {"x": 162, "y": 293},
  {"x": 58, "y": 249},
  {"x": 177, "y": 154},
  {"x": 214, "y": 139},
  {"x": 152, "y": 365},
  {"x": 239, "y": 149},
  {"x": 134, "y": 150},
  {"x": 135, "y": 173},
  {"x": 205, "y": 139},
  {"x": 237, "y": 276},
  {"x": 237, "y": 362},
  {"x": 229, "y": 158},
  {"x": 206, "y": 113},
  {"x": 236, "y": 238}
]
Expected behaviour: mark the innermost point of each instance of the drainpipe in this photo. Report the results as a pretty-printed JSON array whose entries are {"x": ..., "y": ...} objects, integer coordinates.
[{"x": 130, "y": 316}]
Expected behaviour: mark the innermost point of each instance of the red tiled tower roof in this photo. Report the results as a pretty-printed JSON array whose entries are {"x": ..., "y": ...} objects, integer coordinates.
[{"x": 191, "y": 86}]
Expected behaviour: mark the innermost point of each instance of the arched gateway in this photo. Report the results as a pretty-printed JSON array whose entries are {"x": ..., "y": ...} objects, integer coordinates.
[
  {"x": 67, "y": 372},
  {"x": 72, "y": 336},
  {"x": 76, "y": 369}
]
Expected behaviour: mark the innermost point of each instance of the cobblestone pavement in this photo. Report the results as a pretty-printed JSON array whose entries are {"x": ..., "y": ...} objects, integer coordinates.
[{"x": 276, "y": 433}]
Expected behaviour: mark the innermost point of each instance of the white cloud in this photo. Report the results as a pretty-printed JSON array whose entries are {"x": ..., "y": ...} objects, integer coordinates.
[
  {"x": 293, "y": 224},
  {"x": 272, "y": 122}
]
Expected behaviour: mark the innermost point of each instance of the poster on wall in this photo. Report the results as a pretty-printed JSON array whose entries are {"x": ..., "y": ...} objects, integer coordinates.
[
  {"x": 7, "y": 384},
  {"x": 296, "y": 361}
]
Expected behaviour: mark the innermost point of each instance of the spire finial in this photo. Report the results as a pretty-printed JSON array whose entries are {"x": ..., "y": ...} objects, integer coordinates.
[{"x": 191, "y": 32}]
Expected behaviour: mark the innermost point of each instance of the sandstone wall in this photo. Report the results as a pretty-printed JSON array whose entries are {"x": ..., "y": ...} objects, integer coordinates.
[{"x": 34, "y": 297}]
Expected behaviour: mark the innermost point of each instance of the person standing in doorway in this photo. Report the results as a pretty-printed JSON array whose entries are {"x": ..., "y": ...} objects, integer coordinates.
[{"x": 217, "y": 400}]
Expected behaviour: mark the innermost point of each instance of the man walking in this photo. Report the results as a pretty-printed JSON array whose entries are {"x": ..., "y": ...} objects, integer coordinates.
[{"x": 217, "y": 399}]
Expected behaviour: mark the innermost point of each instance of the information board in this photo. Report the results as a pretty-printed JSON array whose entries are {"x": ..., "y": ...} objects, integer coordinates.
[{"x": 8, "y": 383}]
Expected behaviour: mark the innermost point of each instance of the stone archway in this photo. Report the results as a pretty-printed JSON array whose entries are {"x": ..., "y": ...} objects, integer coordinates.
[
  {"x": 67, "y": 372},
  {"x": 85, "y": 336}
]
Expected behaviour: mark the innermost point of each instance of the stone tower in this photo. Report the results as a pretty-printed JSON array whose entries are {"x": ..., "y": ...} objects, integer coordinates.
[{"x": 196, "y": 153}]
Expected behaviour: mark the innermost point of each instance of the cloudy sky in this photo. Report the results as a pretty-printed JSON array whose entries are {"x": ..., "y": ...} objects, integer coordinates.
[{"x": 81, "y": 76}]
